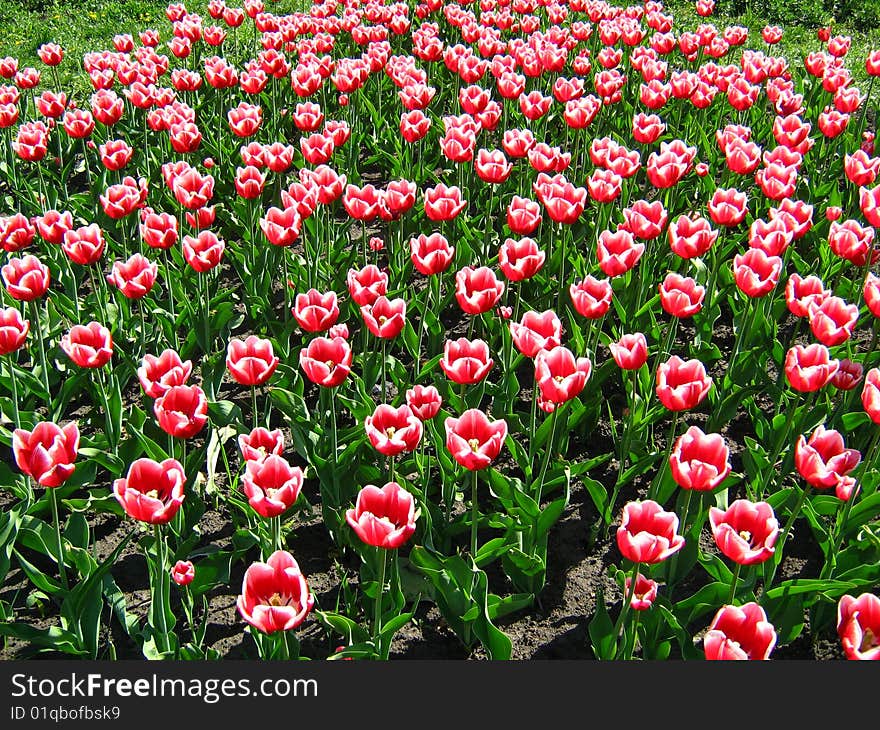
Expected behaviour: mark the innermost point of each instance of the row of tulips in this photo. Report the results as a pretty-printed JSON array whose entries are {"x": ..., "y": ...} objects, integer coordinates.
[{"x": 443, "y": 329}]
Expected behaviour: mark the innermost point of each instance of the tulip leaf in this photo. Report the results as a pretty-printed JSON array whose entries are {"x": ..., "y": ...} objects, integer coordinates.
[
  {"x": 491, "y": 550},
  {"x": 601, "y": 630},
  {"x": 799, "y": 586},
  {"x": 10, "y": 522},
  {"x": 787, "y": 616},
  {"x": 342, "y": 625},
  {"x": 867, "y": 509},
  {"x": 37, "y": 577},
  {"x": 599, "y": 494},
  {"x": 498, "y": 607},
  {"x": 461, "y": 593},
  {"x": 853, "y": 421},
  {"x": 709, "y": 598},
  {"x": 77, "y": 530},
  {"x": 54, "y": 638}
]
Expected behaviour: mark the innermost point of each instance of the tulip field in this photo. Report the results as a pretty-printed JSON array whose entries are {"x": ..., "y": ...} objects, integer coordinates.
[{"x": 498, "y": 330}]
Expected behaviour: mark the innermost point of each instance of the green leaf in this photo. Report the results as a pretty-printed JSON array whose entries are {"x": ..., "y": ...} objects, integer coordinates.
[
  {"x": 852, "y": 421},
  {"x": 599, "y": 495},
  {"x": 709, "y": 598},
  {"x": 601, "y": 629},
  {"x": 77, "y": 530},
  {"x": 53, "y": 639},
  {"x": 343, "y": 626}
]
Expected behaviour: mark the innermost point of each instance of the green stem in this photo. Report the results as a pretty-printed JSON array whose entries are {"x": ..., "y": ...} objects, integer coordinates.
[
  {"x": 534, "y": 418},
  {"x": 548, "y": 452},
  {"x": 624, "y": 609},
  {"x": 62, "y": 572},
  {"x": 108, "y": 418},
  {"x": 768, "y": 582},
  {"x": 35, "y": 316},
  {"x": 276, "y": 533},
  {"x": 673, "y": 561},
  {"x": 670, "y": 441},
  {"x": 381, "y": 556},
  {"x": 841, "y": 528},
  {"x": 160, "y": 582},
  {"x": 166, "y": 256},
  {"x": 14, "y": 381},
  {"x": 256, "y": 411},
  {"x": 335, "y": 436},
  {"x": 733, "y": 584},
  {"x": 475, "y": 512},
  {"x": 384, "y": 346},
  {"x": 631, "y": 644}
]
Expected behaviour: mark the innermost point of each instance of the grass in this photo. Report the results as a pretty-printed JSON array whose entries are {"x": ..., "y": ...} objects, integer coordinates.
[
  {"x": 87, "y": 25},
  {"x": 797, "y": 40},
  {"x": 79, "y": 26}
]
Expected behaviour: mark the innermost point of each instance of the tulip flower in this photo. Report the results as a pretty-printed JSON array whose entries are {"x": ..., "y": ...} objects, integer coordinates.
[
  {"x": 13, "y": 330},
  {"x": 466, "y": 361},
  {"x": 871, "y": 394},
  {"x": 183, "y": 573},
  {"x": 559, "y": 375},
  {"x": 89, "y": 346},
  {"x": 824, "y": 459},
  {"x": 383, "y": 518},
  {"x": 275, "y": 595},
  {"x": 260, "y": 443},
  {"x": 618, "y": 252},
  {"x": 204, "y": 251},
  {"x": 26, "y": 279},
  {"x": 151, "y": 491},
  {"x": 443, "y": 203},
  {"x": 728, "y": 207},
  {"x": 591, "y": 297},
  {"x": 520, "y": 259},
  {"x": 746, "y": 532},
  {"x": 315, "y": 311},
  {"x": 699, "y": 461},
  {"x": 477, "y": 290},
  {"x": 474, "y": 440},
  {"x": 691, "y": 236},
  {"x": 523, "y": 215},
  {"x": 809, "y": 368},
  {"x": 848, "y": 375},
  {"x": 832, "y": 320},
  {"x": 47, "y": 453},
  {"x": 393, "y": 430},
  {"x": 158, "y": 374},
  {"x": 681, "y": 296},
  {"x": 367, "y": 285},
  {"x": 739, "y": 632},
  {"x": 424, "y": 401},
  {"x": 647, "y": 533},
  {"x": 681, "y": 384},
  {"x": 858, "y": 626},
  {"x": 536, "y": 331},
  {"x": 251, "y": 361},
  {"x": 134, "y": 277},
  {"x": 643, "y": 594},
  {"x": 182, "y": 411},
  {"x": 756, "y": 273},
  {"x": 385, "y": 318},
  {"x": 802, "y": 292},
  {"x": 271, "y": 485},
  {"x": 431, "y": 254},
  {"x": 630, "y": 352},
  {"x": 326, "y": 361}
]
